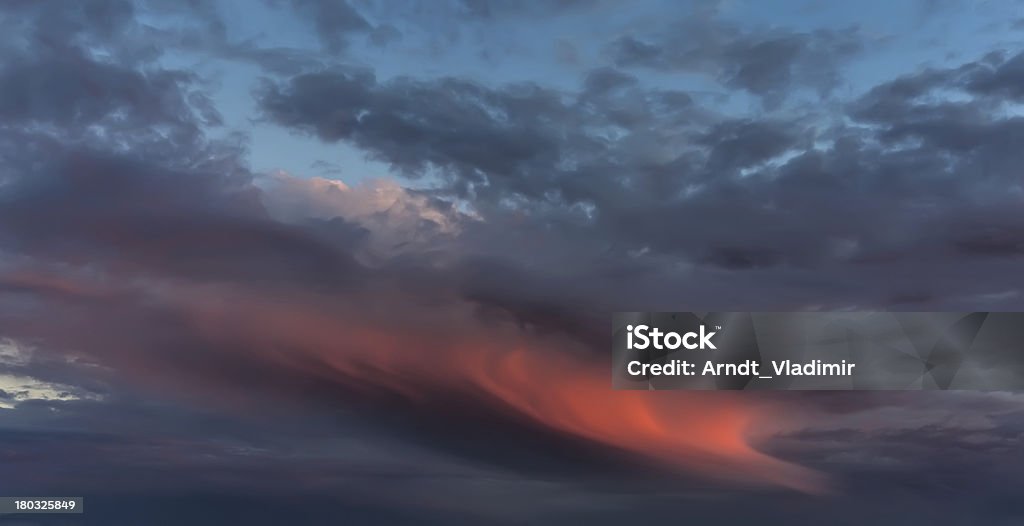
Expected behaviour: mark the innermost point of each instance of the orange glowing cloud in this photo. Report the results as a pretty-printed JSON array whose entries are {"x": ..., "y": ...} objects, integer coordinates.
[
  {"x": 431, "y": 351},
  {"x": 697, "y": 431}
]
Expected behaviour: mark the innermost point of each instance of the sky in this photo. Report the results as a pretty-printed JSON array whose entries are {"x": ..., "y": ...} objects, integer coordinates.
[{"x": 316, "y": 262}]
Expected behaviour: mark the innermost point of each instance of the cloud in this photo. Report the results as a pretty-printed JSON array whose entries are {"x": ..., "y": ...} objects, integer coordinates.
[
  {"x": 889, "y": 181},
  {"x": 430, "y": 344},
  {"x": 183, "y": 276},
  {"x": 335, "y": 22},
  {"x": 769, "y": 64},
  {"x": 392, "y": 219},
  {"x": 502, "y": 8},
  {"x": 17, "y": 389},
  {"x": 497, "y": 133}
]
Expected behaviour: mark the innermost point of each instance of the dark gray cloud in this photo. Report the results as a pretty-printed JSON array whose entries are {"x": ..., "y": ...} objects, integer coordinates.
[
  {"x": 463, "y": 128},
  {"x": 617, "y": 167},
  {"x": 335, "y": 22},
  {"x": 488, "y": 9},
  {"x": 72, "y": 91},
  {"x": 950, "y": 448},
  {"x": 766, "y": 63},
  {"x": 82, "y": 23}
]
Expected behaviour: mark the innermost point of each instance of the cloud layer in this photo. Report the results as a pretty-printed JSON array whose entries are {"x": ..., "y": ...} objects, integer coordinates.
[{"x": 426, "y": 344}]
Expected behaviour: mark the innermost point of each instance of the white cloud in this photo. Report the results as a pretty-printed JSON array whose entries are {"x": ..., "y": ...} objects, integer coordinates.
[
  {"x": 398, "y": 220},
  {"x": 17, "y": 389},
  {"x": 11, "y": 353}
]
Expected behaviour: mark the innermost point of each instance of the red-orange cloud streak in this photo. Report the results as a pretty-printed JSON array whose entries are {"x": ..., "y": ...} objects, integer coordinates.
[
  {"x": 427, "y": 351},
  {"x": 704, "y": 432}
]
